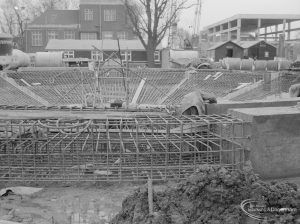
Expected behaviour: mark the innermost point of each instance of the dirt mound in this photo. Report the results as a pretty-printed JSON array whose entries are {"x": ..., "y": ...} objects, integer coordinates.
[{"x": 211, "y": 195}]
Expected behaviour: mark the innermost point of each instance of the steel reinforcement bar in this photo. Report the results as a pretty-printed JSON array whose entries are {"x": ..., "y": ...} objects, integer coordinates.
[{"x": 129, "y": 148}]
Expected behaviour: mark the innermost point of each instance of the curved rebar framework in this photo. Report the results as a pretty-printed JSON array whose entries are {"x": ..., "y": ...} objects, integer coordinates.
[{"x": 128, "y": 148}]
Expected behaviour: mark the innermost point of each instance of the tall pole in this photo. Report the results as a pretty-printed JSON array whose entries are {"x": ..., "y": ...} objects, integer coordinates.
[{"x": 196, "y": 25}]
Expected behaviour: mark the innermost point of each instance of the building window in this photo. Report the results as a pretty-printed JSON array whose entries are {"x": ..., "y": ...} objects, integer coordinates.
[
  {"x": 110, "y": 15},
  {"x": 121, "y": 35},
  {"x": 126, "y": 55},
  {"x": 88, "y": 14},
  {"x": 69, "y": 54},
  {"x": 156, "y": 56},
  {"x": 108, "y": 35},
  {"x": 69, "y": 34},
  {"x": 52, "y": 35},
  {"x": 97, "y": 55},
  {"x": 37, "y": 38},
  {"x": 266, "y": 54},
  {"x": 88, "y": 36}
]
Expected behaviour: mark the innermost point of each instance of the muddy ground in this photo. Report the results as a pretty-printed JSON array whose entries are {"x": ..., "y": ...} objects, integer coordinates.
[
  {"x": 72, "y": 204},
  {"x": 84, "y": 204}
]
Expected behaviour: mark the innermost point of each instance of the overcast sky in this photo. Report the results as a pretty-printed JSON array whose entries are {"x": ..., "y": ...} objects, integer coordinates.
[{"x": 215, "y": 10}]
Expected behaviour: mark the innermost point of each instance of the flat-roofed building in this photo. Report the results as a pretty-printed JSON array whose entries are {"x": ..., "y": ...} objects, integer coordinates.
[{"x": 247, "y": 27}]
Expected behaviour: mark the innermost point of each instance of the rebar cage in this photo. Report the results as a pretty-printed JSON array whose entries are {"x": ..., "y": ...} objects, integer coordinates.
[{"x": 128, "y": 148}]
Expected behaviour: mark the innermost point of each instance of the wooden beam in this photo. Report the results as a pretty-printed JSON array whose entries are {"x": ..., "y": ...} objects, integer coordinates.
[
  {"x": 138, "y": 91},
  {"x": 172, "y": 90},
  {"x": 8, "y": 222}
]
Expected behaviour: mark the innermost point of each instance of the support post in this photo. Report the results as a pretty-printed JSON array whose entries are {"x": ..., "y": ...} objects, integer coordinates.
[
  {"x": 266, "y": 31},
  {"x": 258, "y": 29},
  {"x": 150, "y": 196},
  {"x": 239, "y": 24},
  {"x": 276, "y": 34},
  {"x": 289, "y": 31},
  {"x": 228, "y": 33},
  {"x": 221, "y": 32},
  {"x": 214, "y": 34},
  {"x": 284, "y": 28}
]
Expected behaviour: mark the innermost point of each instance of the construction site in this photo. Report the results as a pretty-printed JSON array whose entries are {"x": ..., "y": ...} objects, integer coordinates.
[
  {"x": 119, "y": 125},
  {"x": 194, "y": 141}
]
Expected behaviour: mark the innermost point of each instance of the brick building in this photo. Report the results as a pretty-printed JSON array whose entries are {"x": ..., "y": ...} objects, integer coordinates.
[{"x": 95, "y": 19}]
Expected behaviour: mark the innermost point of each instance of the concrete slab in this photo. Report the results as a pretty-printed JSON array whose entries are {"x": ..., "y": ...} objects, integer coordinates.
[
  {"x": 224, "y": 106},
  {"x": 43, "y": 114},
  {"x": 274, "y": 140}
]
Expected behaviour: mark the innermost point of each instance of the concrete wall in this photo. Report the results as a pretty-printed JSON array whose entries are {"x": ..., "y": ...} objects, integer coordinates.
[
  {"x": 223, "y": 107},
  {"x": 275, "y": 140}
]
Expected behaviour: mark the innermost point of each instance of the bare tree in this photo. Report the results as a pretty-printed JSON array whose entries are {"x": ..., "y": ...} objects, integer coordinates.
[
  {"x": 8, "y": 19},
  {"x": 152, "y": 18},
  {"x": 15, "y": 14},
  {"x": 184, "y": 36}
]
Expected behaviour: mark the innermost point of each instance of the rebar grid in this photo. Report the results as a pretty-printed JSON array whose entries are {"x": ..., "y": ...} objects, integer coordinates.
[{"x": 130, "y": 148}]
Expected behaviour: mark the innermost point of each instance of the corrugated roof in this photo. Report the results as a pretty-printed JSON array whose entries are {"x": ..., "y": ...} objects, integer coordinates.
[
  {"x": 248, "y": 44},
  {"x": 221, "y": 44},
  {"x": 107, "y": 45}
]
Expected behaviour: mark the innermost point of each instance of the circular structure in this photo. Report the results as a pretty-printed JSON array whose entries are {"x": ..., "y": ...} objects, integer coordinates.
[
  {"x": 233, "y": 63},
  {"x": 5, "y": 49},
  {"x": 260, "y": 65},
  {"x": 49, "y": 59},
  {"x": 247, "y": 64},
  {"x": 272, "y": 65}
]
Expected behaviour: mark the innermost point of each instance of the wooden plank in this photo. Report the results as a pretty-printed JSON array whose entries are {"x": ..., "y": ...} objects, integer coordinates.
[
  {"x": 138, "y": 91},
  {"x": 8, "y": 222},
  {"x": 173, "y": 90},
  {"x": 44, "y": 114}
]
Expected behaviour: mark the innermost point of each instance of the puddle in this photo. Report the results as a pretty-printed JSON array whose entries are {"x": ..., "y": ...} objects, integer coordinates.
[{"x": 85, "y": 211}]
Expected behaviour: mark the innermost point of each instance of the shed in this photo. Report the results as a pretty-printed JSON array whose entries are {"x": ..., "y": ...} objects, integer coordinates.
[
  {"x": 260, "y": 50},
  {"x": 227, "y": 49},
  {"x": 136, "y": 52}
]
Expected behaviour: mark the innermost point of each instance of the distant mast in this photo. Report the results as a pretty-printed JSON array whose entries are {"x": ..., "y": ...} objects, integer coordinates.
[
  {"x": 173, "y": 27},
  {"x": 196, "y": 37}
]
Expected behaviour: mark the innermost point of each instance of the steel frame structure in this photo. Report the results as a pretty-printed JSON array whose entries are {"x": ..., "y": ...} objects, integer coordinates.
[{"x": 128, "y": 148}]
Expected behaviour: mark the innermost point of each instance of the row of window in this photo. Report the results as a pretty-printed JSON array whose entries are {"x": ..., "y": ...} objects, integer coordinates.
[
  {"x": 106, "y": 35},
  {"x": 110, "y": 15},
  {"x": 37, "y": 37},
  {"x": 98, "y": 56}
]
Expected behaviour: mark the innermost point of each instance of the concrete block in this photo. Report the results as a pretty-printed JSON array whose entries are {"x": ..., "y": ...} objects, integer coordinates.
[{"x": 275, "y": 140}]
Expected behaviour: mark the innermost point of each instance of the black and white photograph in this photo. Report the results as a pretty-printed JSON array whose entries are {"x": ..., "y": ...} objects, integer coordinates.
[{"x": 149, "y": 111}]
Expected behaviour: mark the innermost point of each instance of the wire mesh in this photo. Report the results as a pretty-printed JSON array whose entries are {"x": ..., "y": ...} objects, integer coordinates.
[{"x": 129, "y": 148}]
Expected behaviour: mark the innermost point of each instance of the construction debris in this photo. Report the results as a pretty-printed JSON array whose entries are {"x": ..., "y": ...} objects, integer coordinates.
[
  {"x": 211, "y": 195},
  {"x": 294, "y": 90},
  {"x": 193, "y": 103},
  {"x": 19, "y": 191}
]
